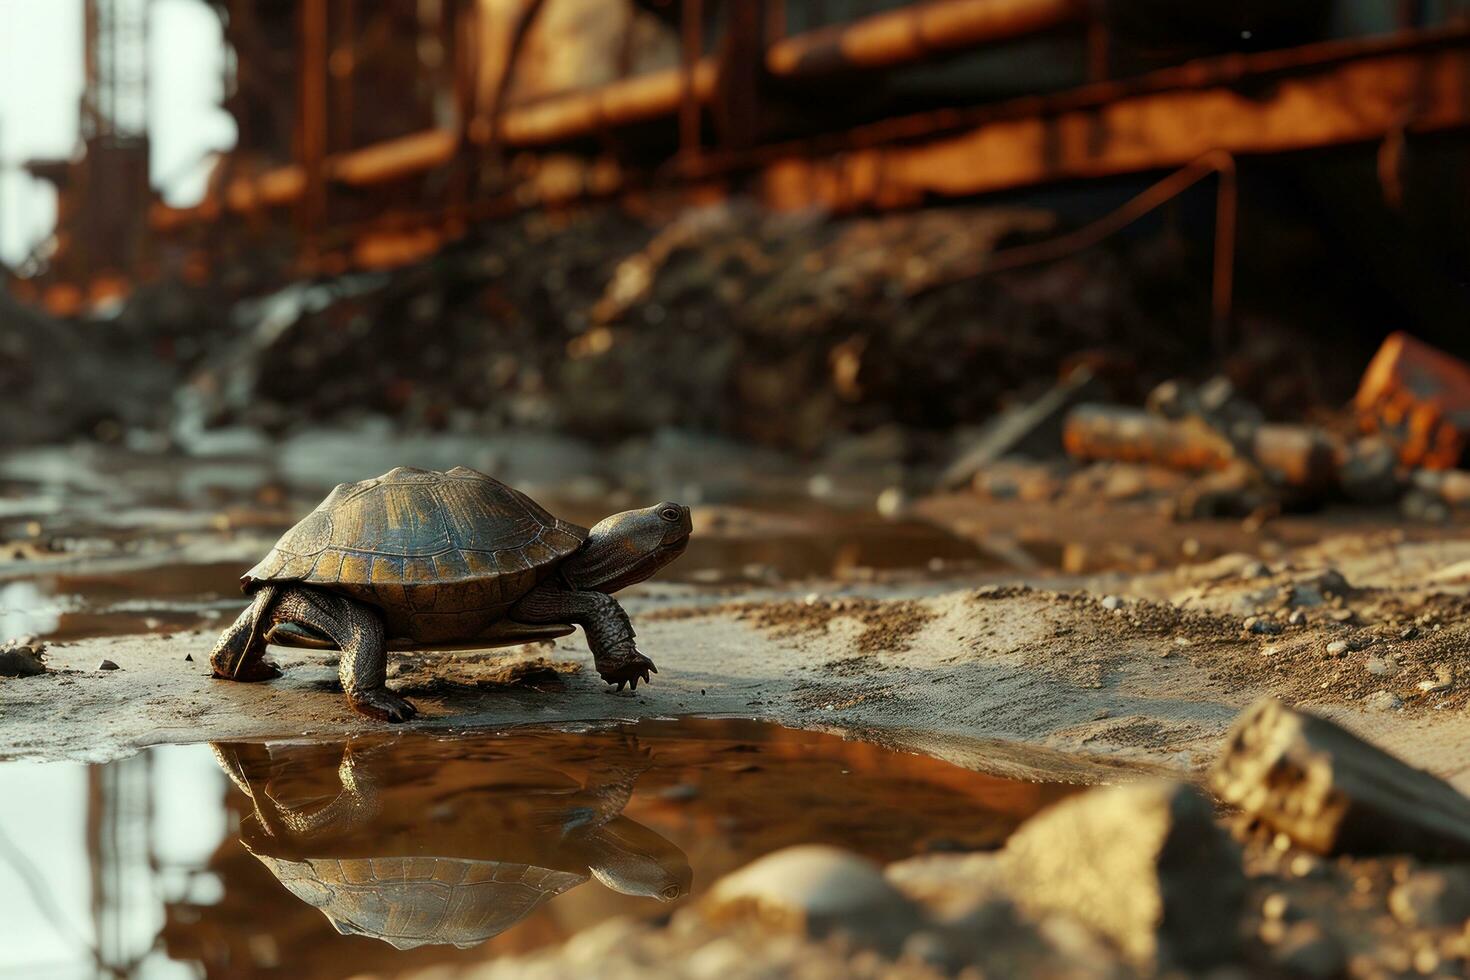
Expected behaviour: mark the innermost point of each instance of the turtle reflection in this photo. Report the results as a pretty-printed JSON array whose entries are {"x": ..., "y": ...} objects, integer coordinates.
[{"x": 415, "y": 852}]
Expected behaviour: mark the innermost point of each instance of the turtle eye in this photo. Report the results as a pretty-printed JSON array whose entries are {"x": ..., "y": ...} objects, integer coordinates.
[{"x": 669, "y": 514}]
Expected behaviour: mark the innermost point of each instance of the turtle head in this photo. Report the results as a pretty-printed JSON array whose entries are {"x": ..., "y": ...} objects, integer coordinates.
[{"x": 630, "y": 547}]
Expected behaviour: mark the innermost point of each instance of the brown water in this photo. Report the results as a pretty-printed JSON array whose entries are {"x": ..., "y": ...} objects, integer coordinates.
[{"x": 312, "y": 859}]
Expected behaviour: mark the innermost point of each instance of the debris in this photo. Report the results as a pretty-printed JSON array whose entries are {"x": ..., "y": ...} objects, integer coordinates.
[
  {"x": 1100, "y": 432},
  {"x": 819, "y": 891},
  {"x": 1417, "y": 397},
  {"x": 1145, "y": 865},
  {"x": 22, "y": 658},
  {"x": 1334, "y": 793},
  {"x": 1369, "y": 471},
  {"x": 1030, "y": 430},
  {"x": 108, "y": 665},
  {"x": 1429, "y": 898}
]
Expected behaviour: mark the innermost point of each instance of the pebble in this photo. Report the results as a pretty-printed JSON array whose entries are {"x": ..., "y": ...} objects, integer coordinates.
[
  {"x": 108, "y": 665},
  {"x": 817, "y": 890},
  {"x": 1380, "y": 665},
  {"x": 1112, "y": 602},
  {"x": 1383, "y": 701},
  {"x": 1337, "y": 648},
  {"x": 1297, "y": 618},
  {"x": 1268, "y": 627}
]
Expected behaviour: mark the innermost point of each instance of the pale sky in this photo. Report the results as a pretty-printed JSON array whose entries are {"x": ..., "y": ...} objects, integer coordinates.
[{"x": 41, "y": 85}]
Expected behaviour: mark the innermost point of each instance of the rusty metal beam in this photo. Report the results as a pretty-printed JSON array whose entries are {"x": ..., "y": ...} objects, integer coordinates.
[
  {"x": 1320, "y": 95},
  {"x": 1106, "y": 130},
  {"x": 915, "y": 33}
]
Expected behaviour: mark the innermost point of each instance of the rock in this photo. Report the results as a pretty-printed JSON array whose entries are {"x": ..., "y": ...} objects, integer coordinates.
[
  {"x": 108, "y": 665},
  {"x": 1315, "y": 589},
  {"x": 1333, "y": 793},
  {"x": 1144, "y": 865},
  {"x": 22, "y": 659},
  {"x": 1432, "y": 898},
  {"x": 1262, "y": 626},
  {"x": 188, "y": 658},
  {"x": 1337, "y": 648},
  {"x": 1383, "y": 701},
  {"x": 949, "y": 884},
  {"x": 819, "y": 891},
  {"x": 1112, "y": 602},
  {"x": 1379, "y": 666},
  {"x": 1306, "y": 950}
]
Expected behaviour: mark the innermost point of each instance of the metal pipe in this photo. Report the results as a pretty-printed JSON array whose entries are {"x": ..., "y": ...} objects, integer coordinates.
[{"x": 916, "y": 32}]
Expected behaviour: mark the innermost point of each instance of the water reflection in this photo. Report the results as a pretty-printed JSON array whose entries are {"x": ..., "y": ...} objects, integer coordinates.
[
  {"x": 441, "y": 854},
  {"x": 298, "y": 859}
]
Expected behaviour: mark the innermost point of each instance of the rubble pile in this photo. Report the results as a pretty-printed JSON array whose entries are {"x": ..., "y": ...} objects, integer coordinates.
[
  {"x": 781, "y": 330},
  {"x": 1206, "y": 450}
]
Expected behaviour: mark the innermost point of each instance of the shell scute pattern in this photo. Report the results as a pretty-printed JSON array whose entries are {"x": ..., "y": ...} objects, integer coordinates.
[{"x": 424, "y": 547}]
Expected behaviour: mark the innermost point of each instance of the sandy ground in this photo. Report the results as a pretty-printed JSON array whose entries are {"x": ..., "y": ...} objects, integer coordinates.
[{"x": 1081, "y": 686}]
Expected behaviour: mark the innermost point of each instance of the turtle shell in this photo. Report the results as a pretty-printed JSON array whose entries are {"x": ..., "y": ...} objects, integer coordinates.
[
  {"x": 415, "y": 901},
  {"x": 442, "y": 555}
]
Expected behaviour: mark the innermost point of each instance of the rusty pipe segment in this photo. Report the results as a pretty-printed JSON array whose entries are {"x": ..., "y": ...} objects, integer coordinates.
[{"x": 914, "y": 33}]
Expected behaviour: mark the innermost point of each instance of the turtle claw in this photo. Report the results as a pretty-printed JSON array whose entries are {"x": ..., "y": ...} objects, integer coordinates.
[
  {"x": 383, "y": 705},
  {"x": 626, "y": 669}
]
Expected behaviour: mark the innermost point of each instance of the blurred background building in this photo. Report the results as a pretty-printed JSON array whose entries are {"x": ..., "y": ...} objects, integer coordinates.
[{"x": 369, "y": 134}]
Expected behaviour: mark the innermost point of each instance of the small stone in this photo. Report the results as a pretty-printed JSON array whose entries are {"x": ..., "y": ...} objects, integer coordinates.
[
  {"x": 1306, "y": 950},
  {"x": 817, "y": 890},
  {"x": 108, "y": 665},
  {"x": 1409, "y": 633},
  {"x": 1432, "y": 898},
  {"x": 1337, "y": 648},
  {"x": 189, "y": 657},
  {"x": 1378, "y": 666},
  {"x": 1383, "y": 701},
  {"x": 1268, "y": 627},
  {"x": 1112, "y": 602}
]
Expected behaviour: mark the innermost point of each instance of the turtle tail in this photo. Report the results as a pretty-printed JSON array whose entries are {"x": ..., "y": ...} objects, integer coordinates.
[{"x": 242, "y": 641}]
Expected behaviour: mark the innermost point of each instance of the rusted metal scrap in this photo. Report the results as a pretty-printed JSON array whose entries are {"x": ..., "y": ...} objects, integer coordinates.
[
  {"x": 1333, "y": 793},
  {"x": 1419, "y": 398},
  {"x": 1294, "y": 456}
]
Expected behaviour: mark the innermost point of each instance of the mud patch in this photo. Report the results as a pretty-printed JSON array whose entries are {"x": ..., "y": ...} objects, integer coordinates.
[{"x": 887, "y": 626}]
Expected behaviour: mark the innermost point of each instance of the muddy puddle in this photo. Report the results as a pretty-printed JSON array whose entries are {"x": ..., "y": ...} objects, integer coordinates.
[{"x": 325, "y": 859}]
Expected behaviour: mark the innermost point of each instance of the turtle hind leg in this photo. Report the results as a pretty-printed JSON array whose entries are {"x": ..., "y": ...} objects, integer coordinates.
[
  {"x": 239, "y": 653},
  {"x": 357, "y": 630}
]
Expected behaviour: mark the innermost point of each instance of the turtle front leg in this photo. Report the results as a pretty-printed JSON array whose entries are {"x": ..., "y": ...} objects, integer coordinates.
[
  {"x": 358, "y": 632},
  {"x": 239, "y": 654},
  {"x": 609, "y": 633}
]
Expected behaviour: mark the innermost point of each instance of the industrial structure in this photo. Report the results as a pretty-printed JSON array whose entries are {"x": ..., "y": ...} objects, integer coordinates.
[{"x": 372, "y": 134}]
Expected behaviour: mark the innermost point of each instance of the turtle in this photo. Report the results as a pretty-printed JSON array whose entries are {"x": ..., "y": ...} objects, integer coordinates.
[
  {"x": 417, "y": 859},
  {"x": 436, "y": 560}
]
